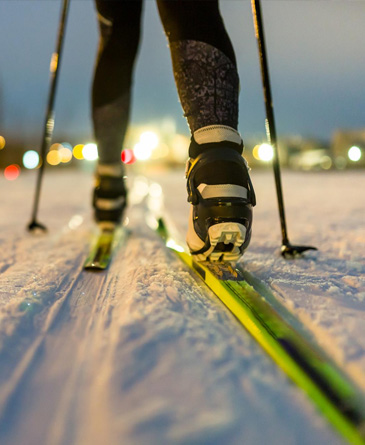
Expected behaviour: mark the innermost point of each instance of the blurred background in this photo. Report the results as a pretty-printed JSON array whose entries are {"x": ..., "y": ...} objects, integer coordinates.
[{"x": 317, "y": 64}]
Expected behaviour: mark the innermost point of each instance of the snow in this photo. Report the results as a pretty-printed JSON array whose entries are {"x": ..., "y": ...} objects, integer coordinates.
[{"x": 145, "y": 353}]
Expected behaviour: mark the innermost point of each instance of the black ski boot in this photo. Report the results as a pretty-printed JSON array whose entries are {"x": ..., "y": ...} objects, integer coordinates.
[
  {"x": 110, "y": 194},
  {"x": 222, "y": 196}
]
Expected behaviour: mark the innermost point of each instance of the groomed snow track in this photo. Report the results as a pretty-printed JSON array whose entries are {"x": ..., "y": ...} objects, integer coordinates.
[{"x": 142, "y": 353}]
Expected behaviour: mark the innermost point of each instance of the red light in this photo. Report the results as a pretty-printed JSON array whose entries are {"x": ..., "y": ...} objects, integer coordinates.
[
  {"x": 128, "y": 156},
  {"x": 12, "y": 172}
]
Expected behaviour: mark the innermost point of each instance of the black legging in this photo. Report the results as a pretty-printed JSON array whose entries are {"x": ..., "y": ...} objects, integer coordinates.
[{"x": 203, "y": 61}]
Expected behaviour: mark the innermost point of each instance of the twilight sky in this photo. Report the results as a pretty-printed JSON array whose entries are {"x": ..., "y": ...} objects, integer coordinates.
[{"x": 316, "y": 55}]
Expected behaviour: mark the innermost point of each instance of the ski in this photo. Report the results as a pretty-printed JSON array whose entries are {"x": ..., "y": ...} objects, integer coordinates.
[
  {"x": 273, "y": 327},
  {"x": 103, "y": 246}
]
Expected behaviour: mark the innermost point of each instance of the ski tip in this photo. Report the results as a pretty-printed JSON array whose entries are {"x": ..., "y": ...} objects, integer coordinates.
[
  {"x": 162, "y": 228},
  {"x": 94, "y": 266},
  {"x": 103, "y": 247}
]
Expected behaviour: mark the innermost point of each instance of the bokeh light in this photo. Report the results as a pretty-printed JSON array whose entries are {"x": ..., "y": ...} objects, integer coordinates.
[
  {"x": 155, "y": 190},
  {"x": 354, "y": 153},
  {"x": 128, "y": 156},
  {"x": 55, "y": 146},
  {"x": 140, "y": 189},
  {"x": 90, "y": 152},
  {"x": 326, "y": 162},
  {"x": 66, "y": 145},
  {"x": 65, "y": 154},
  {"x": 2, "y": 142},
  {"x": 77, "y": 151},
  {"x": 75, "y": 222},
  {"x": 149, "y": 139},
  {"x": 12, "y": 172},
  {"x": 265, "y": 152},
  {"x": 30, "y": 159},
  {"x": 142, "y": 152},
  {"x": 255, "y": 152},
  {"x": 53, "y": 157},
  {"x": 180, "y": 145}
]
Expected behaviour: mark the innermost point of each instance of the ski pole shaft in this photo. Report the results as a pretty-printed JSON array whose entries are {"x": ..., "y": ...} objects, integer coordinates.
[
  {"x": 287, "y": 249},
  {"x": 270, "y": 121},
  {"x": 49, "y": 118}
]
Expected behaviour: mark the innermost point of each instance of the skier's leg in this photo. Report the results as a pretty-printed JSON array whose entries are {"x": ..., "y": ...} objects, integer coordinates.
[
  {"x": 119, "y": 24},
  {"x": 206, "y": 75}
]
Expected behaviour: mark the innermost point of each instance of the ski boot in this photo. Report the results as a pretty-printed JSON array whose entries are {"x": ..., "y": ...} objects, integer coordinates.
[
  {"x": 110, "y": 194},
  {"x": 222, "y": 196}
]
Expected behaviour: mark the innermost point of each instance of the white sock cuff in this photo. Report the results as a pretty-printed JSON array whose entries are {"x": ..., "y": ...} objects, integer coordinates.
[{"x": 217, "y": 133}]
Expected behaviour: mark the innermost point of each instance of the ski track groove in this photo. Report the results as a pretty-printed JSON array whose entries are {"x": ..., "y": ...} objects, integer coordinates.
[
  {"x": 64, "y": 415},
  {"x": 32, "y": 326},
  {"x": 34, "y": 343},
  {"x": 71, "y": 319},
  {"x": 22, "y": 307},
  {"x": 8, "y": 254},
  {"x": 5, "y": 267},
  {"x": 38, "y": 332}
]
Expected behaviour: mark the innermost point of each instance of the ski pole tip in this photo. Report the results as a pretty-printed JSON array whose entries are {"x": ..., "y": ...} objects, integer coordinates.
[
  {"x": 35, "y": 226},
  {"x": 290, "y": 251}
]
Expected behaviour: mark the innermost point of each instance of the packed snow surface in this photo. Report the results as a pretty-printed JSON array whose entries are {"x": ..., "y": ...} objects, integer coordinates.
[{"x": 144, "y": 353}]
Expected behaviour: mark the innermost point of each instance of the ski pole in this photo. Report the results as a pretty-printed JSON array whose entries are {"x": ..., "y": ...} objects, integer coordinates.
[
  {"x": 287, "y": 249},
  {"x": 49, "y": 119}
]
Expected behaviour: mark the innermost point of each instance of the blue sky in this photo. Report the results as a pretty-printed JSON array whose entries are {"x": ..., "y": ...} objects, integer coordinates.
[{"x": 316, "y": 54}]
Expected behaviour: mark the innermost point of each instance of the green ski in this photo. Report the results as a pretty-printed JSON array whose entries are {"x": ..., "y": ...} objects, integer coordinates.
[
  {"x": 103, "y": 245},
  {"x": 304, "y": 362}
]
